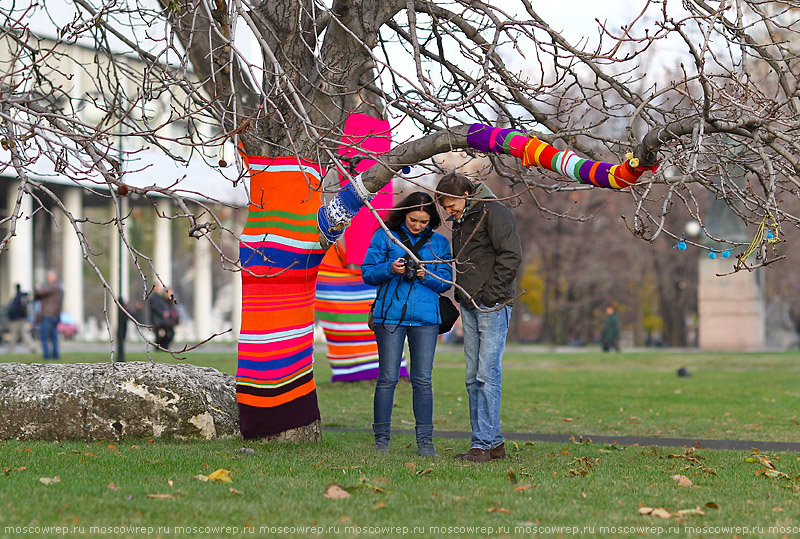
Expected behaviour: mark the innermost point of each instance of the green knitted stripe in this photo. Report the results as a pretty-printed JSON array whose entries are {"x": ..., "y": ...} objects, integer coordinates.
[
  {"x": 255, "y": 227},
  {"x": 283, "y": 214}
]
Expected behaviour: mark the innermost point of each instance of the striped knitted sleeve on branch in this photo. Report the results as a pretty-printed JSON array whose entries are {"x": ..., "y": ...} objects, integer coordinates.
[{"x": 534, "y": 152}]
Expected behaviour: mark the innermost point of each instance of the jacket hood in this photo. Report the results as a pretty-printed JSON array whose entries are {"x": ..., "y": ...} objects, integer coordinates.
[{"x": 482, "y": 192}]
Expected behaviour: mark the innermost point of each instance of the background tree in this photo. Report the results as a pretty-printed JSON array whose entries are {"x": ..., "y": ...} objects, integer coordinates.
[{"x": 430, "y": 67}]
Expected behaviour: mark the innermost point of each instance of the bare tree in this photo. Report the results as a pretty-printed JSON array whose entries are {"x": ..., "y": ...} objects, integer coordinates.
[{"x": 733, "y": 97}]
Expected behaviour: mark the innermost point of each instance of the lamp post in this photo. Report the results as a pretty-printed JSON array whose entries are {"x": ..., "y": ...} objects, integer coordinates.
[
  {"x": 123, "y": 270},
  {"x": 693, "y": 229}
]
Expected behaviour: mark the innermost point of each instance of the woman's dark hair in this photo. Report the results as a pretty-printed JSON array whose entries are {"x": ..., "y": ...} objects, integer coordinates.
[
  {"x": 455, "y": 185},
  {"x": 418, "y": 200}
]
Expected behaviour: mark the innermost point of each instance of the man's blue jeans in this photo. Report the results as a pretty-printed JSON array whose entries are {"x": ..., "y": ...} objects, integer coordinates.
[
  {"x": 49, "y": 331},
  {"x": 484, "y": 343},
  {"x": 422, "y": 346}
]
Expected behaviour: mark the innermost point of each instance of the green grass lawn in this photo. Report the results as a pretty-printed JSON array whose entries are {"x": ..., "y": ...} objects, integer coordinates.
[{"x": 541, "y": 489}]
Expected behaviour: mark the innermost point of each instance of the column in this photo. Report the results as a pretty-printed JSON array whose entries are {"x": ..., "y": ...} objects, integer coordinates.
[
  {"x": 162, "y": 258},
  {"x": 731, "y": 309},
  {"x": 234, "y": 222},
  {"x": 20, "y": 247},
  {"x": 203, "y": 289},
  {"x": 236, "y": 303},
  {"x": 72, "y": 256}
]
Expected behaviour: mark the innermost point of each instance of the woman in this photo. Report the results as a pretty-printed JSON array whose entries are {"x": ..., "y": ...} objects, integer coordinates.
[{"x": 407, "y": 305}]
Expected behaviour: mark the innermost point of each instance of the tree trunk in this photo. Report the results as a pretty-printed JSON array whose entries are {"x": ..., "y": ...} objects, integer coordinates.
[{"x": 672, "y": 300}]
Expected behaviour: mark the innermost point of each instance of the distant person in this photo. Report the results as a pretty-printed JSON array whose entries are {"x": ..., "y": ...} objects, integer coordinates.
[
  {"x": 19, "y": 325},
  {"x": 163, "y": 316},
  {"x": 611, "y": 330},
  {"x": 407, "y": 307},
  {"x": 51, "y": 297},
  {"x": 488, "y": 254}
]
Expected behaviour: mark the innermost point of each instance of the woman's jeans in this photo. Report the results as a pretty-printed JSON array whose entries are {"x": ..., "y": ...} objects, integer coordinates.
[
  {"x": 484, "y": 343},
  {"x": 422, "y": 345}
]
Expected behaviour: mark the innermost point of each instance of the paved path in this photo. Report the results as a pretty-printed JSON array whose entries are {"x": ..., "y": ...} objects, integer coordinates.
[{"x": 646, "y": 441}]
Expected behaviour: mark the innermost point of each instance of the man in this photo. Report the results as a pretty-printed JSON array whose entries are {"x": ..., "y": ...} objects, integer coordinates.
[
  {"x": 51, "y": 296},
  {"x": 19, "y": 326},
  {"x": 163, "y": 316},
  {"x": 487, "y": 251},
  {"x": 611, "y": 330}
]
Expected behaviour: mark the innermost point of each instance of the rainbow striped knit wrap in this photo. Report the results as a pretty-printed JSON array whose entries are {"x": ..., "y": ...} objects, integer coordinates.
[
  {"x": 280, "y": 256},
  {"x": 534, "y": 152},
  {"x": 343, "y": 299}
]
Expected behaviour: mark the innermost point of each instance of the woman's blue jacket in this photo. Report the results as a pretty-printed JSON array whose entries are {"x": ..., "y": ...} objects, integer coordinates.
[{"x": 399, "y": 301}]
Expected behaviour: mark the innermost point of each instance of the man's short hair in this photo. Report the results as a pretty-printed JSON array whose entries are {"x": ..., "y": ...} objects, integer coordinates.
[{"x": 453, "y": 184}]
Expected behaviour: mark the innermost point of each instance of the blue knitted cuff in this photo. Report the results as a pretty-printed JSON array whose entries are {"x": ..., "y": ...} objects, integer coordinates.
[{"x": 335, "y": 216}]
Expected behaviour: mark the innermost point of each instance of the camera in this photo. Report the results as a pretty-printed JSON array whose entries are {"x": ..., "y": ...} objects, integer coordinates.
[{"x": 410, "y": 271}]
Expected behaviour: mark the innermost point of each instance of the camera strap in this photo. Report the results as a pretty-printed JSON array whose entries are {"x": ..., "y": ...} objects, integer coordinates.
[
  {"x": 406, "y": 240},
  {"x": 414, "y": 248}
]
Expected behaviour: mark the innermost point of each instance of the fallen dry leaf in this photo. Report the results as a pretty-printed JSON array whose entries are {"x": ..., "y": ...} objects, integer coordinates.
[
  {"x": 201, "y": 477},
  {"x": 712, "y": 505},
  {"x": 777, "y": 509},
  {"x": 336, "y": 492},
  {"x": 49, "y": 480},
  {"x": 112, "y": 486},
  {"x": 512, "y": 477},
  {"x": 769, "y": 472},
  {"x": 687, "y": 512},
  {"x": 682, "y": 480},
  {"x": 661, "y": 513},
  {"x": 234, "y": 491},
  {"x": 161, "y": 496},
  {"x": 522, "y": 487},
  {"x": 379, "y": 505},
  {"x": 364, "y": 481},
  {"x": 169, "y": 482},
  {"x": 499, "y": 510},
  {"x": 222, "y": 476}
]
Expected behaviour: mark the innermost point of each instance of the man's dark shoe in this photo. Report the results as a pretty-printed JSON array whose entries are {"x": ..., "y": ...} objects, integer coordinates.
[
  {"x": 475, "y": 454},
  {"x": 498, "y": 452}
]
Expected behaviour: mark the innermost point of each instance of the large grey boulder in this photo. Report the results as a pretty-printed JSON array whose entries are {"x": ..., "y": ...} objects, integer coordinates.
[{"x": 104, "y": 401}]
